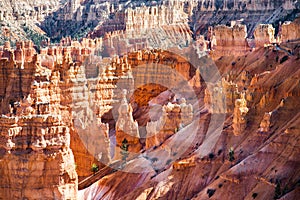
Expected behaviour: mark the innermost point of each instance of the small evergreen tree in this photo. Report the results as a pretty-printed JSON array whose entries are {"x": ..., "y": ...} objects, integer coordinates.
[
  {"x": 231, "y": 154},
  {"x": 124, "y": 151},
  {"x": 211, "y": 156},
  {"x": 210, "y": 192},
  {"x": 254, "y": 195},
  {"x": 95, "y": 168},
  {"x": 277, "y": 194}
]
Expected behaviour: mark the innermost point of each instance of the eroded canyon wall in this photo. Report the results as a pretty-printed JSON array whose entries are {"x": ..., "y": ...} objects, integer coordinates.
[
  {"x": 61, "y": 99},
  {"x": 290, "y": 31},
  {"x": 210, "y": 12},
  {"x": 20, "y": 19},
  {"x": 230, "y": 39},
  {"x": 36, "y": 158},
  {"x": 46, "y": 111},
  {"x": 255, "y": 152}
]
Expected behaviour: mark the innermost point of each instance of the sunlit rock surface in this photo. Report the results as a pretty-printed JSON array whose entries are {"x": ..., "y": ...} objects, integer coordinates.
[{"x": 206, "y": 94}]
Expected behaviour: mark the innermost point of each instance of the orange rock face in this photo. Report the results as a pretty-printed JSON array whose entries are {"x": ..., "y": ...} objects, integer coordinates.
[
  {"x": 264, "y": 34},
  {"x": 139, "y": 87},
  {"x": 290, "y": 31},
  {"x": 40, "y": 94},
  {"x": 257, "y": 146},
  {"x": 35, "y": 136},
  {"x": 36, "y": 159},
  {"x": 174, "y": 118},
  {"x": 127, "y": 128},
  {"x": 230, "y": 40},
  {"x": 239, "y": 115}
]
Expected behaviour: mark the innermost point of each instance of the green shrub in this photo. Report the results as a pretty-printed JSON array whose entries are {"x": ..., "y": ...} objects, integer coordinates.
[
  {"x": 231, "y": 154},
  {"x": 210, "y": 192},
  {"x": 277, "y": 193},
  {"x": 254, "y": 195},
  {"x": 95, "y": 168},
  {"x": 285, "y": 58},
  {"x": 124, "y": 151},
  {"x": 211, "y": 156},
  {"x": 168, "y": 161}
]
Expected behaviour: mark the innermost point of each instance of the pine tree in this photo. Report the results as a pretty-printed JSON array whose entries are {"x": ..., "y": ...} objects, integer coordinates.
[
  {"x": 231, "y": 155},
  {"x": 95, "y": 168},
  {"x": 277, "y": 194},
  {"x": 124, "y": 151}
]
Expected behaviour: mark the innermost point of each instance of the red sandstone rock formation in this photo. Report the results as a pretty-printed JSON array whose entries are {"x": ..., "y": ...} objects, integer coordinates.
[
  {"x": 37, "y": 161},
  {"x": 264, "y": 35},
  {"x": 48, "y": 105},
  {"x": 257, "y": 154},
  {"x": 41, "y": 94},
  {"x": 239, "y": 115},
  {"x": 230, "y": 40},
  {"x": 265, "y": 123},
  {"x": 126, "y": 129},
  {"x": 290, "y": 31},
  {"x": 174, "y": 118},
  {"x": 209, "y": 13},
  {"x": 35, "y": 135}
]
